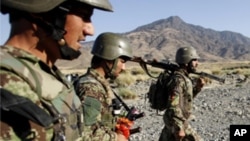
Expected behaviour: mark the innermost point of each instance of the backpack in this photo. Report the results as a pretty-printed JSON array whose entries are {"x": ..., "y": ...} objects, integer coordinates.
[{"x": 161, "y": 89}]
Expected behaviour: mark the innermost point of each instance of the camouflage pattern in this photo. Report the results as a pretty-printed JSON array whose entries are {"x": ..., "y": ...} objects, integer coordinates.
[
  {"x": 19, "y": 74},
  {"x": 96, "y": 96},
  {"x": 179, "y": 110}
]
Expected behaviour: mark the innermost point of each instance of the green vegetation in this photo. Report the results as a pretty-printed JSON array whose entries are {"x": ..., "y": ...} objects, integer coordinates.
[{"x": 126, "y": 93}]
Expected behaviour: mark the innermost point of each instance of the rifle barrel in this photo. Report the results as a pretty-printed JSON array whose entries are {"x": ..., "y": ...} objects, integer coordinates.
[
  {"x": 134, "y": 116},
  {"x": 142, "y": 114},
  {"x": 210, "y": 76}
]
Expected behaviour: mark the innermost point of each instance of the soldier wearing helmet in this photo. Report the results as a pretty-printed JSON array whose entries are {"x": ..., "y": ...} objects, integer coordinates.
[
  {"x": 110, "y": 52},
  {"x": 39, "y": 103},
  {"x": 187, "y": 56},
  {"x": 181, "y": 99}
]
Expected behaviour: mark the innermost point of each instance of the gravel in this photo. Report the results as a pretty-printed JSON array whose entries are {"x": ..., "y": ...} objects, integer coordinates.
[{"x": 215, "y": 108}]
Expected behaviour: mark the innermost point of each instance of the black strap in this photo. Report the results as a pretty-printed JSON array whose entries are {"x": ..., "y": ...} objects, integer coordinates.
[
  {"x": 145, "y": 68},
  {"x": 24, "y": 107}
]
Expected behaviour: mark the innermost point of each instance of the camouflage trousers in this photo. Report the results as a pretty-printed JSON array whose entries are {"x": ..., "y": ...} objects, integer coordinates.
[
  {"x": 169, "y": 134},
  {"x": 94, "y": 133}
]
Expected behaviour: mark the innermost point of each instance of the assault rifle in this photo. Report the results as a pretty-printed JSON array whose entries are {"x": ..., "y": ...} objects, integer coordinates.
[
  {"x": 203, "y": 74},
  {"x": 170, "y": 66},
  {"x": 132, "y": 113}
]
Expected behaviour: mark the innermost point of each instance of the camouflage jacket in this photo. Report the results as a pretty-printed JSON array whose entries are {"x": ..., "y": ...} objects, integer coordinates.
[
  {"x": 41, "y": 101},
  {"x": 96, "y": 95},
  {"x": 181, "y": 101}
]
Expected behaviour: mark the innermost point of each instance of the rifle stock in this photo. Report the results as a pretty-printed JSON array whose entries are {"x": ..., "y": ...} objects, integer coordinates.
[
  {"x": 154, "y": 63},
  {"x": 171, "y": 66}
]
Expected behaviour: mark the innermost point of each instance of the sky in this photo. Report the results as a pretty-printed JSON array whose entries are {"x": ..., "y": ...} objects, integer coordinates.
[{"x": 219, "y": 15}]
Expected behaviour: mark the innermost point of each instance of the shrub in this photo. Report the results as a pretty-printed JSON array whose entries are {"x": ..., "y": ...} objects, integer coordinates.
[{"x": 126, "y": 93}]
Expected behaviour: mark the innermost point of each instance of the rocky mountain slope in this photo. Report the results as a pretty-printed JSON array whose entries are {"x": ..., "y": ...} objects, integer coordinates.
[
  {"x": 162, "y": 37},
  {"x": 160, "y": 40}
]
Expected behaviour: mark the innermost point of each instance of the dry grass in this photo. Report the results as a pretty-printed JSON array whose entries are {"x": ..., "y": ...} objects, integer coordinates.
[
  {"x": 242, "y": 67},
  {"x": 130, "y": 76},
  {"x": 126, "y": 93}
]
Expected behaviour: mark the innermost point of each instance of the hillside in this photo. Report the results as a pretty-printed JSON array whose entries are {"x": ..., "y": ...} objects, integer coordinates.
[{"x": 160, "y": 40}]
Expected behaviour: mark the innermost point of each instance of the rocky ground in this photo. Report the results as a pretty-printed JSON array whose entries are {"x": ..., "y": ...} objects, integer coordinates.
[{"x": 216, "y": 108}]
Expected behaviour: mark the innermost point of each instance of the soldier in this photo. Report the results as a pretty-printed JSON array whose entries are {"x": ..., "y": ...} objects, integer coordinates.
[
  {"x": 110, "y": 52},
  {"x": 37, "y": 102},
  {"x": 181, "y": 99}
]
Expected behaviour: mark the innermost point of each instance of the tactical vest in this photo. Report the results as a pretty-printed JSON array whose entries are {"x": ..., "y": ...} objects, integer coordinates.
[
  {"x": 91, "y": 106},
  {"x": 55, "y": 93}
]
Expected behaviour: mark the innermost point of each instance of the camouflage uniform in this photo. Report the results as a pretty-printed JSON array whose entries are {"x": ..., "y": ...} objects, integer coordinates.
[
  {"x": 179, "y": 109},
  {"x": 34, "y": 86},
  {"x": 96, "y": 96}
]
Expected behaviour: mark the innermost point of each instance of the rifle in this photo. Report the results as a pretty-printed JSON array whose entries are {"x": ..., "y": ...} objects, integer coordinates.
[
  {"x": 169, "y": 66},
  {"x": 203, "y": 74},
  {"x": 154, "y": 63},
  {"x": 132, "y": 113}
]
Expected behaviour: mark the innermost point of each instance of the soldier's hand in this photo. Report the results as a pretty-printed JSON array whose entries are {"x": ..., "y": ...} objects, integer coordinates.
[
  {"x": 200, "y": 83},
  {"x": 121, "y": 137},
  {"x": 123, "y": 126},
  {"x": 180, "y": 135}
]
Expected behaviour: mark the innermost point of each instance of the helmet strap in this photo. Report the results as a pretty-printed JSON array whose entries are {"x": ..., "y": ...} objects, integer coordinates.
[
  {"x": 110, "y": 72},
  {"x": 190, "y": 67},
  {"x": 113, "y": 69},
  {"x": 66, "y": 51},
  {"x": 56, "y": 31}
]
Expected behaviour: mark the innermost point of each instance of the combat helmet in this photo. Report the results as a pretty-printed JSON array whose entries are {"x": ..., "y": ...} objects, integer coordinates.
[
  {"x": 185, "y": 54},
  {"x": 111, "y": 46},
  {"x": 56, "y": 27},
  {"x": 39, "y": 6}
]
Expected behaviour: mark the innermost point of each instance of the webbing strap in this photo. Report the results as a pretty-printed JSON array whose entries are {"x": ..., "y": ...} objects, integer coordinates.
[
  {"x": 10, "y": 63},
  {"x": 38, "y": 88},
  {"x": 145, "y": 68}
]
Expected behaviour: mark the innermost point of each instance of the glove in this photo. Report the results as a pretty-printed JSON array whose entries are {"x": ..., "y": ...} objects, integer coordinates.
[{"x": 123, "y": 126}]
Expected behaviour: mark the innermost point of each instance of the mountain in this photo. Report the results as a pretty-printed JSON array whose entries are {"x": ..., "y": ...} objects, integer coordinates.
[{"x": 161, "y": 39}]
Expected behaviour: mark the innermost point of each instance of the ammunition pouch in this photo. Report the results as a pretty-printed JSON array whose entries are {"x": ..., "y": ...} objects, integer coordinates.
[{"x": 91, "y": 108}]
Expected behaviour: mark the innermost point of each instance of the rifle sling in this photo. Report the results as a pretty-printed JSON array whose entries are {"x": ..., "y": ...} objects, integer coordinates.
[
  {"x": 122, "y": 102},
  {"x": 145, "y": 68}
]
